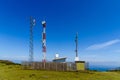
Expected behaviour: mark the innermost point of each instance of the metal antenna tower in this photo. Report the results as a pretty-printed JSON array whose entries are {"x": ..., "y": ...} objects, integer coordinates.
[
  {"x": 76, "y": 41},
  {"x": 31, "y": 52},
  {"x": 44, "y": 41}
]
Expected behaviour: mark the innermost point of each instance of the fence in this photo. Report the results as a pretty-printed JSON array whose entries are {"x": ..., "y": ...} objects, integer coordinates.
[{"x": 69, "y": 66}]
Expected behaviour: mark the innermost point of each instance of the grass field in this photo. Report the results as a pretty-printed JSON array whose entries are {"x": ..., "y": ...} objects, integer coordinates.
[{"x": 14, "y": 72}]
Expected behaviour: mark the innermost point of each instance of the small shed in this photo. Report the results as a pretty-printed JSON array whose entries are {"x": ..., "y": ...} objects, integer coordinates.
[
  {"x": 80, "y": 65},
  {"x": 59, "y": 59}
]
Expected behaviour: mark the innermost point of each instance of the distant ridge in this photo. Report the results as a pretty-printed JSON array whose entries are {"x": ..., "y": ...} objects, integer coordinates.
[{"x": 7, "y": 62}]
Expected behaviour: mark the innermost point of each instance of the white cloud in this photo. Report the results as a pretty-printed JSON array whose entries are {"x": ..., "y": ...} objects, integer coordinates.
[{"x": 103, "y": 45}]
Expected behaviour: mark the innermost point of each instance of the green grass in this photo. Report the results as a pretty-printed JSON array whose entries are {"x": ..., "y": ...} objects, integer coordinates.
[{"x": 15, "y": 72}]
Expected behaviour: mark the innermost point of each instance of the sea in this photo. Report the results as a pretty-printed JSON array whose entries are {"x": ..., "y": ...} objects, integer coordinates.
[{"x": 103, "y": 66}]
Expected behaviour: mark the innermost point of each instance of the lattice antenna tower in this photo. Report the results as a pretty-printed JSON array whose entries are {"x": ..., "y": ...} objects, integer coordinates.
[
  {"x": 31, "y": 51},
  {"x": 44, "y": 41}
]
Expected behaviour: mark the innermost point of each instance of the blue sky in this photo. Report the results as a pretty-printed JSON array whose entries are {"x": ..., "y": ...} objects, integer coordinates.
[{"x": 96, "y": 21}]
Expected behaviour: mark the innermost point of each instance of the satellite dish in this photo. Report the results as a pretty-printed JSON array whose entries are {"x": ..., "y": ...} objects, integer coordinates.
[
  {"x": 56, "y": 55},
  {"x": 43, "y": 22}
]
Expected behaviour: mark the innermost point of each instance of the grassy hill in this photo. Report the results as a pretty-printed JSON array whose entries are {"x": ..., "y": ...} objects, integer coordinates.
[
  {"x": 7, "y": 62},
  {"x": 15, "y": 72}
]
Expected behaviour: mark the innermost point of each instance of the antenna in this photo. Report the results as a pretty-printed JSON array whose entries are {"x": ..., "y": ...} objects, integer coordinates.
[
  {"x": 76, "y": 50},
  {"x": 44, "y": 41},
  {"x": 32, "y": 24}
]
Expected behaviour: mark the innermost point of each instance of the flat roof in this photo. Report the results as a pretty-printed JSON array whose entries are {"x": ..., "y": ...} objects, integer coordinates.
[
  {"x": 60, "y": 58},
  {"x": 79, "y": 61}
]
